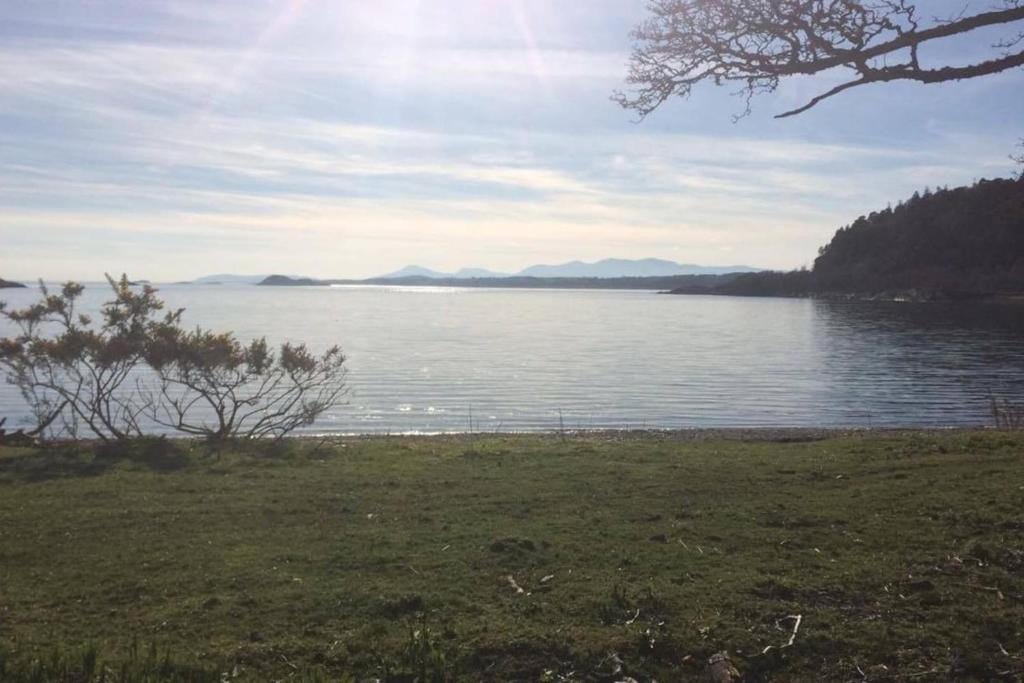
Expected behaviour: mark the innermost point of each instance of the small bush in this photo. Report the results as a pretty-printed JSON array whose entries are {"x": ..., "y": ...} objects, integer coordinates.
[
  {"x": 211, "y": 385},
  {"x": 74, "y": 374},
  {"x": 137, "y": 370},
  {"x": 424, "y": 659}
]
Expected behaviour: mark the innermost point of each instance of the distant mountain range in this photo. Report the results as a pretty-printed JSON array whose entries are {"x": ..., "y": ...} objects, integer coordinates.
[
  {"x": 607, "y": 268},
  {"x": 610, "y": 268},
  {"x": 420, "y": 271},
  {"x": 658, "y": 282}
]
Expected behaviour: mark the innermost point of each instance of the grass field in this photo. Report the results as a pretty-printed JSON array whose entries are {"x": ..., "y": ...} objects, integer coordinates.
[{"x": 516, "y": 558}]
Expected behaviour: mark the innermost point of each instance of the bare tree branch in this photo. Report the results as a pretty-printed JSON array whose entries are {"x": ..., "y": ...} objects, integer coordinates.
[{"x": 758, "y": 43}]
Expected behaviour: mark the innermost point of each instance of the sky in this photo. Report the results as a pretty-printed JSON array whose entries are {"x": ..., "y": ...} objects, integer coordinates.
[{"x": 346, "y": 138}]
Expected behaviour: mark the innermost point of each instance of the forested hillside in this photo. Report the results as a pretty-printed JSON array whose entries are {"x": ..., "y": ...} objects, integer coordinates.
[{"x": 968, "y": 241}]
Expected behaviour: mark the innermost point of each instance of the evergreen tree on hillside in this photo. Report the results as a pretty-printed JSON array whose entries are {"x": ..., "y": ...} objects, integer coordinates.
[
  {"x": 968, "y": 241},
  {"x": 965, "y": 240}
]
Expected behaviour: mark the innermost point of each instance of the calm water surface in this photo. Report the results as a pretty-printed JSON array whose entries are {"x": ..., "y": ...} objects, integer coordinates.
[{"x": 439, "y": 359}]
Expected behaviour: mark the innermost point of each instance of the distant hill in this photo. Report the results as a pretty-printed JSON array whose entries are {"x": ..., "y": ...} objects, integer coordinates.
[
  {"x": 966, "y": 242},
  {"x": 414, "y": 271},
  {"x": 420, "y": 271},
  {"x": 612, "y": 267},
  {"x": 288, "y": 281},
  {"x": 477, "y": 272},
  {"x": 7, "y": 284},
  {"x": 608, "y": 268}
]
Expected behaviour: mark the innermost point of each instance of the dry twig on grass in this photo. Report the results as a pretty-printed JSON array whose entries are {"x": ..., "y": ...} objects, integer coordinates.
[
  {"x": 515, "y": 586},
  {"x": 792, "y": 636}
]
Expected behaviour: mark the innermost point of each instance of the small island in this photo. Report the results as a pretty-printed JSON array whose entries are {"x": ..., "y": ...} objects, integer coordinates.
[{"x": 7, "y": 284}]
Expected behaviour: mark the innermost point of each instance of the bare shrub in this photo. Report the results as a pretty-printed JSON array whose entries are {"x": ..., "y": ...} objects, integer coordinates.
[
  {"x": 73, "y": 373},
  {"x": 138, "y": 369},
  {"x": 211, "y": 385}
]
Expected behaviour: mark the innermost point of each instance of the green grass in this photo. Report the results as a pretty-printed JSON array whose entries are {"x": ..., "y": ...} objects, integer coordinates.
[{"x": 638, "y": 556}]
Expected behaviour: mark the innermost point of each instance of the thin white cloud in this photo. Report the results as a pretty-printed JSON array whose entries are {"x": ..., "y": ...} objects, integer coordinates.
[{"x": 342, "y": 144}]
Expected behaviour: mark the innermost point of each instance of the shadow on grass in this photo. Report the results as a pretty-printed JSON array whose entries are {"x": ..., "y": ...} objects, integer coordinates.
[
  {"x": 80, "y": 459},
  {"x": 87, "y": 666},
  {"x": 424, "y": 658}
]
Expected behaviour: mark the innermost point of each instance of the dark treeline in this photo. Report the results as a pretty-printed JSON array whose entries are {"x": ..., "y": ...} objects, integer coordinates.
[
  {"x": 7, "y": 284},
  {"x": 964, "y": 242}
]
